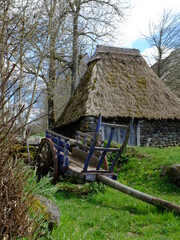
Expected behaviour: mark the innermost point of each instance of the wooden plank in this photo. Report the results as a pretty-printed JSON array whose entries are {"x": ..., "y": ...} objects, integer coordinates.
[
  {"x": 87, "y": 135},
  {"x": 107, "y": 149},
  {"x": 75, "y": 168},
  {"x": 58, "y": 141},
  {"x": 97, "y": 172},
  {"x": 86, "y": 148},
  {"x": 77, "y": 165},
  {"x": 81, "y": 155},
  {"x": 84, "y": 135},
  {"x": 88, "y": 142},
  {"x": 114, "y": 125},
  {"x": 76, "y": 161},
  {"x": 57, "y": 135}
]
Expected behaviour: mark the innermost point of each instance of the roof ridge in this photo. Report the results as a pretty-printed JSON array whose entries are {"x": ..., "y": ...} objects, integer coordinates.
[{"x": 106, "y": 50}]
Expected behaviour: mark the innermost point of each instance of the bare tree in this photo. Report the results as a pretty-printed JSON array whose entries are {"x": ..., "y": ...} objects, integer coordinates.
[
  {"x": 164, "y": 36},
  {"x": 17, "y": 26},
  {"x": 45, "y": 44},
  {"x": 49, "y": 41},
  {"x": 92, "y": 19},
  {"x": 10, "y": 40}
]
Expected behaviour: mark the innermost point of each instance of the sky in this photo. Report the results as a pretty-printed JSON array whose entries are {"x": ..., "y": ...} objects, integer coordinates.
[{"x": 137, "y": 22}]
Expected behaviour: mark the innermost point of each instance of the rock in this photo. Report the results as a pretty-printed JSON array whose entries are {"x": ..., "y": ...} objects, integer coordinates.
[
  {"x": 174, "y": 174},
  {"x": 52, "y": 211},
  {"x": 34, "y": 141},
  {"x": 164, "y": 171}
]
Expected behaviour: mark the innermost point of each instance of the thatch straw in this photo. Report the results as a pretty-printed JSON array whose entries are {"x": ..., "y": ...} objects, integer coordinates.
[{"x": 119, "y": 83}]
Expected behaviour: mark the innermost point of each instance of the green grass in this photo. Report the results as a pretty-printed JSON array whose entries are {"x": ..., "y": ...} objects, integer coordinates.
[{"x": 105, "y": 213}]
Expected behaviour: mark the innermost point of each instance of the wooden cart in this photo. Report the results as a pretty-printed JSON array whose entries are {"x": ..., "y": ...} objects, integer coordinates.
[{"x": 87, "y": 161}]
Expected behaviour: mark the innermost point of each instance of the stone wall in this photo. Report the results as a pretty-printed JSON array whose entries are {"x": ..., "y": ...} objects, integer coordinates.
[
  {"x": 153, "y": 133},
  {"x": 159, "y": 133},
  {"x": 84, "y": 124},
  {"x": 87, "y": 124}
]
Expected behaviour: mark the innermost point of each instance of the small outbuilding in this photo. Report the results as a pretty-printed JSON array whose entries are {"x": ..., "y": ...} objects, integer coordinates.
[{"x": 119, "y": 84}]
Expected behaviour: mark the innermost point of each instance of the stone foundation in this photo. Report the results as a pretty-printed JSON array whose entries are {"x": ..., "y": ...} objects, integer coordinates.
[{"x": 160, "y": 133}]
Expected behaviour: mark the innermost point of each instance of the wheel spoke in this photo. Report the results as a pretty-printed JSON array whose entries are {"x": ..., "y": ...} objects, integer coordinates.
[{"x": 47, "y": 159}]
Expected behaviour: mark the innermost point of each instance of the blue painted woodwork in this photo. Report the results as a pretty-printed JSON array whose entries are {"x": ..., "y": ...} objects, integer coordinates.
[
  {"x": 123, "y": 145},
  {"x": 107, "y": 146},
  {"x": 91, "y": 151},
  {"x": 61, "y": 144},
  {"x": 107, "y": 149},
  {"x": 120, "y": 134}
]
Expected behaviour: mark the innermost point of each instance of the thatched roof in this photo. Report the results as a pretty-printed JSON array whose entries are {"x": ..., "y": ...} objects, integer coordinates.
[{"x": 119, "y": 83}]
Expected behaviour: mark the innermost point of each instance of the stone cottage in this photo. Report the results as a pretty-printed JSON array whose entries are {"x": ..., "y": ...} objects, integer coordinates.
[{"x": 119, "y": 84}]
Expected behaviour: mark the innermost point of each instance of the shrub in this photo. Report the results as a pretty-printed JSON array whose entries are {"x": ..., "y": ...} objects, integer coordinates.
[{"x": 15, "y": 202}]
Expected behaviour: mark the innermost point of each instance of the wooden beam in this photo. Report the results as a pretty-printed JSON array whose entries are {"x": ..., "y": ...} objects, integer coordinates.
[
  {"x": 107, "y": 149},
  {"x": 114, "y": 125},
  {"x": 140, "y": 195},
  {"x": 86, "y": 135},
  {"x": 82, "y": 156},
  {"x": 57, "y": 135},
  {"x": 86, "y": 148},
  {"x": 82, "y": 139}
]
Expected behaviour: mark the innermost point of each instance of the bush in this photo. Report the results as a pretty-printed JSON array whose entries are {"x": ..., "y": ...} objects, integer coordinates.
[
  {"x": 14, "y": 220},
  {"x": 15, "y": 202}
]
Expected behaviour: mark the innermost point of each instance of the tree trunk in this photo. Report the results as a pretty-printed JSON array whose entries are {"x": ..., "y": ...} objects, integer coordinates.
[
  {"x": 21, "y": 68},
  {"x": 5, "y": 9},
  {"x": 51, "y": 115},
  {"x": 75, "y": 51},
  {"x": 52, "y": 79},
  {"x": 159, "y": 61},
  {"x": 139, "y": 195}
]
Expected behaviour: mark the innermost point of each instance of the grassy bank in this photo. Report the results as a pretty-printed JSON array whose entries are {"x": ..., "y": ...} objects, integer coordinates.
[{"x": 105, "y": 213}]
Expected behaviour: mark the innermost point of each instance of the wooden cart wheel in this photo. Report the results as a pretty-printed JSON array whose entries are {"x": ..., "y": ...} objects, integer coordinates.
[{"x": 47, "y": 160}]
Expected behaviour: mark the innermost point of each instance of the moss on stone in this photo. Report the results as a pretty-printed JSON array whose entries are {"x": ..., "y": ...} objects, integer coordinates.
[{"x": 22, "y": 153}]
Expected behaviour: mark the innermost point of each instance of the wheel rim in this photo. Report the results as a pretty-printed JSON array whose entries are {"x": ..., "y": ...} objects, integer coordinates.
[{"x": 47, "y": 160}]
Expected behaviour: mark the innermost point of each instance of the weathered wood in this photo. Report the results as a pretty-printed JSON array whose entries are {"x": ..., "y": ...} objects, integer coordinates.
[
  {"x": 77, "y": 165},
  {"x": 84, "y": 135},
  {"x": 86, "y": 148},
  {"x": 57, "y": 135},
  {"x": 139, "y": 195},
  {"x": 83, "y": 156},
  {"x": 107, "y": 149},
  {"x": 114, "y": 125},
  {"x": 88, "y": 142},
  {"x": 87, "y": 135}
]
